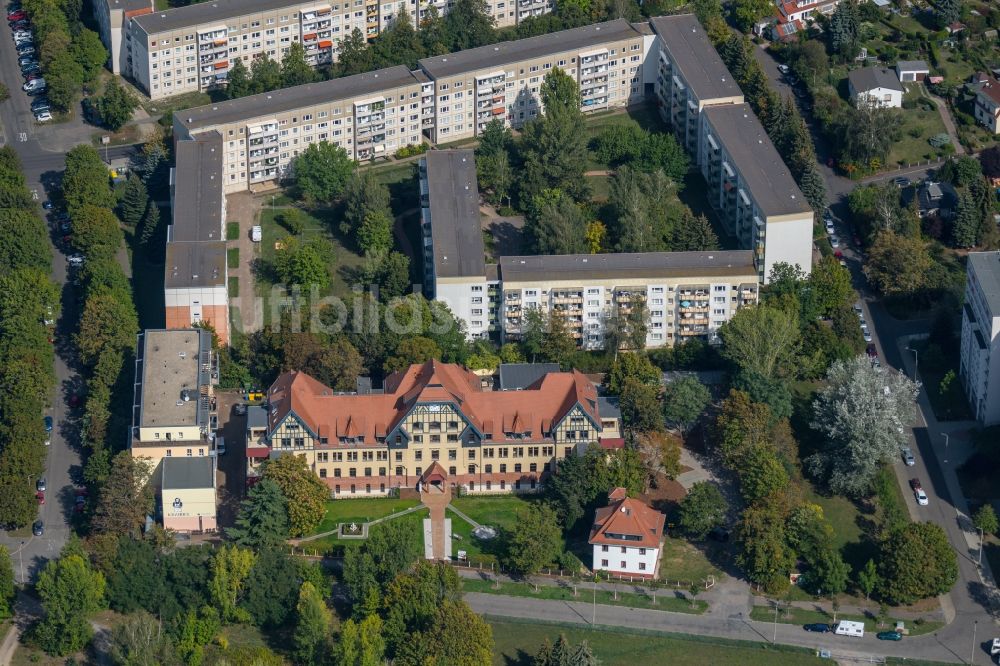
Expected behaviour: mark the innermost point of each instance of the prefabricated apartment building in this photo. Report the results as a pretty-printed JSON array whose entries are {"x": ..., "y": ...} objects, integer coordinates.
[{"x": 249, "y": 143}]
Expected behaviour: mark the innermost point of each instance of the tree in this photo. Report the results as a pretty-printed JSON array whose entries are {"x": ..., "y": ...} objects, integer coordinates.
[
  {"x": 740, "y": 426},
  {"x": 761, "y": 475},
  {"x": 989, "y": 159},
  {"x": 361, "y": 643},
  {"x": 965, "y": 226},
  {"x": 230, "y": 568},
  {"x": 985, "y": 519},
  {"x": 312, "y": 627},
  {"x": 6, "y": 584},
  {"x": 594, "y": 235},
  {"x": 761, "y": 339},
  {"x": 304, "y": 263},
  {"x": 305, "y": 494},
  {"x": 85, "y": 180},
  {"x": 266, "y": 73},
  {"x": 238, "y": 81},
  {"x": 552, "y": 148},
  {"x": 917, "y": 561},
  {"x": 469, "y": 24},
  {"x": 861, "y": 413},
  {"x": 558, "y": 345},
  {"x": 632, "y": 365},
  {"x": 868, "y": 579},
  {"x": 125, "y": 498},
  {"x": 844, "y": 26},
  {"x": 70, "y": 591},
  {"x": 412, "y": 350},
  {"x": 263, "y": 518},
  {"x": 116, "y": 105},
  {"x": 702, "y": 509},
  {"x": 295, "y": 71},
  {"x": 830, "y": 573},
  {"x": 133, "y": 202},
  {"x": 96, "y": 231},
  {"x": 140, "y": 641},
  {"x": 496, "y": 175},
  {"x": 684, "y": 400},
  {"x": 693, "y": 233},
  {"x": 533, "y": 541},
  {"x": 322, "y": 171},
  {"x": 867, "y": 131},
  {"x": 355, "y": 56},
  {"x": 457, "y": 637},
  {"x": 813, "y": 186},
  {"x": 660, "y": 453},
  {"x": 389, "y": 550},
  {"x": 765, "y": 555},
  {"x": 640, "y": 407},
  {"x": 23, "y": 238},
  {"x": 830, "y": 286},
  {"x": 150, "y": 224},
  {"x": 555, "y": 224},
  {"x": 749, "y": 12},
  {"x": 375, "y": 234},
  {"x": 897, "y": 264},
  {"x": 271, "y": 590},
  {"x": 948, "y": 11},
  {"x": 412, "y": 601},
  {"x": 363, "y": 194}
]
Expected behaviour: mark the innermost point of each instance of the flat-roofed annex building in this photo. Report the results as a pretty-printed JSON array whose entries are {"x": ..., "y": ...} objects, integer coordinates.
[
  {"x": 173, "y": 413},
  {"x": 454, "y": 254},
  {"x": 686, "y": 294},
  {"x": 485, "y": 441},
  {"x": 980, "y": 353},
  {"x": 187, "y": 495},
  {"x": 504, "y": 80}
]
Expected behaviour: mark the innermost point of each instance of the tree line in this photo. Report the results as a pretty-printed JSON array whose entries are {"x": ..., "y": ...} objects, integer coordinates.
[
  {"x": 71, "y": 55},
  {"x": 28, "y": 299}
]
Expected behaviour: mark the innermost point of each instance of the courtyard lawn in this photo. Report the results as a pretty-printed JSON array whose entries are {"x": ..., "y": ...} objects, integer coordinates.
[
  {"x": 414, "y": 521},
  {"x": 683, "y": 561},
  {"x": 500, "y": 511},
  {"x": 917, "y": 126},
  {"x": 360, "y": 511},
  {"x": 808, "y": 616},
  {"x": 666, "y": 600},
  {"x": 516, "y": 642}
]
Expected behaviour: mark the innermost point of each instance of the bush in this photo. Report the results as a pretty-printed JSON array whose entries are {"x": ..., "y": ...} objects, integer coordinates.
[
  {"x": 411, "y": 150},
  {"x": 4, "y": 93},
  {"x": 292, "y": 219},
  {"x": 939, "y": 140}
]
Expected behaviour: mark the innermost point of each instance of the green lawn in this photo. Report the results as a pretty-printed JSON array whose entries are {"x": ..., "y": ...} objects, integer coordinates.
[
  {"x": 666, "y": 600},
  {"x": 360, "y": 511},
  {"x": 807, "y": 616},
  {"x": 917, "y": 126},
  {"x": 234, "y": 286},
  {"x": 516, "y": 642},
  {"x": 233, "y": 258},
  {"x": 684, "y": 561},
  {"x": 232, "y": 231},
  {"x": 600, "y": 187},
  {"x": 413, "y": 521},
  {"x": 500, "y": 511}
]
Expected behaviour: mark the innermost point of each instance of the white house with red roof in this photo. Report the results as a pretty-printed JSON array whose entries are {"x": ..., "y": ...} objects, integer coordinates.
[
  {"x": 988, "y": 104},
  {"x": 626, "y": 536}
]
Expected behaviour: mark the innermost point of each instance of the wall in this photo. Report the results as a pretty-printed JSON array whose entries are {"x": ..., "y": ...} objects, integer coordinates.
[{"x": 632, "y": 558}]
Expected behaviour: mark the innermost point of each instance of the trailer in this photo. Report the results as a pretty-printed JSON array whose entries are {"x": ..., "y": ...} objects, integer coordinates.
[{"x": 850, "y": 628}]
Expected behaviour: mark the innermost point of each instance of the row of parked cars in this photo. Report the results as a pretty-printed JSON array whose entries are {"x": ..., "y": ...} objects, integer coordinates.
[{"x": 27, "y": 59}]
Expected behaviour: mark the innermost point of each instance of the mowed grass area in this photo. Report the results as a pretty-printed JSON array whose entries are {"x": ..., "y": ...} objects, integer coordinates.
[
  {"x": 917, "y": 126},
  {"x": 666, "y": 600},
  {"x": 498, "y": 512},
  {"x": 360, "y": 511},
  {"x": 809, "y": 616},
  {"x": 517, "y": 642},
  {"x": 682, "y": 560},
  {"x": 413, "y": 521}
]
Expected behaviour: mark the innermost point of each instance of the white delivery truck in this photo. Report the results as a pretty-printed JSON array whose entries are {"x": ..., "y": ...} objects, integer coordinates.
[{"x": 849, "y": 628}]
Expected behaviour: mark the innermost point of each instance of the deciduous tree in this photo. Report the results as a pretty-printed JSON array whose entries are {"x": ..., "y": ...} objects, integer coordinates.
[
  {"x": 702, "y": 509},
  {"x": 70, "y": 592},
  {"x": 125, "y": 498},
  {"x": 322, "y": 171},
  {"x": 533, "y": 541},
  {"x": 295, "y": 71},
  {"x": 761, "y": 339},
  {"x": 312, "y": 627},
  {"x": 116, "y": 105},
  {"x": 684, "y": 400},
  {"x": 985, "y": 519},
  {"x": 917, "y": 561},
  {"x": 305, "y": 493}
]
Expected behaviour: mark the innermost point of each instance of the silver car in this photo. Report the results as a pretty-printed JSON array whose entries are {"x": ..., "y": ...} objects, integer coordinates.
[{"x": 908, "y": 456}]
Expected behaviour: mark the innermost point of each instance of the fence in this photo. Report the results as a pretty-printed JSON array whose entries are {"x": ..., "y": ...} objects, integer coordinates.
[{"x": 566, "y": 576}]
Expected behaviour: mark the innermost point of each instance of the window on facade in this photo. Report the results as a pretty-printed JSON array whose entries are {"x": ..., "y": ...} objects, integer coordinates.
[
  {"x": 489, "y": 469},
  {"x": 642, "y": 566},
  {"x": 399, "y": 456},
  {"x": 399, "y": 470},
  {"x": 322, "y": 472},
  {"x": 418, "y": 455}
]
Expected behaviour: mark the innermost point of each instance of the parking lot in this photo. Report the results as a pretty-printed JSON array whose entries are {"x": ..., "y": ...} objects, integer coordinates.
[{"x": 231, "y": 477}]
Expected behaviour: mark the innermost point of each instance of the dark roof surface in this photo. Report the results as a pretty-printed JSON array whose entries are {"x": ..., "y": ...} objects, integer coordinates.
[
  {"x": 607, "y": 407},
  {"x": 768, "y": 179},
  {"x": 195, "y": 264},
  {"x": 297, "y": 97},
  {"x": 456, "y": 233},
  {"x": 197, "y": 214},
  {"x": 517, "y": 376},
  {"x": 869, "y": 78},
  {"x": 187, "y": 473},
  {"x": 626, "y": 266},
  {"x": 691, "y": 51},
  {"x": 504, "y": 53},
  {"x": 203, "y": 13},
  {"x": 256, "y": 416}
]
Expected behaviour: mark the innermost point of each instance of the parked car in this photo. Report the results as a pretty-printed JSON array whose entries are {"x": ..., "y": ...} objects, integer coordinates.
[
  {"x": 828, "y": 223},
  {"x": 872, "y": 352},
  {"x": 38, "y": 529},
  {"x": 865, "y": 333},
  {"x": 38, "y": 108},
  {"x": 23, "y": 24},
  {"x": 16, "y": 15},
  {"x": 818, "y": 627},
  {"x": 43, "y": 117},
  {"x": 40, "y": 496},
  {"x": 889, "y": 636},
  {"x": 784, "y": 69},
  {"x": 901, "y": 182},
  {"x": 26, "y": 60},
  {"x": 255, "y": 234},
  {"x": 908, "y": 456},
  {"x": 48, "y": 423},
  {"x": 918, "y": 492},
  {"x": 40, "y": 485},
  {"x": 75, "y": 260},
  {"x": 37, "y": 91},
  {"x": 25, "y": 50},
  {"x": 834, "y": 242}
]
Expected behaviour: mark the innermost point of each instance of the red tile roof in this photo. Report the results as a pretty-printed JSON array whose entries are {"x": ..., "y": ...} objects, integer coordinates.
[
  {"x": 627, "y": 517},
  {"x": 534, "y": 410},
  {"x": 991, "y": 88}
]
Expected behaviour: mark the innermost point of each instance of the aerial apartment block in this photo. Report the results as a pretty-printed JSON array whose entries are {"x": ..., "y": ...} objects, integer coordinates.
[
  {"x": 749, "y": 185},
  {"x": 433, "y": 415},
  {"x": 980, "y": 357},
  {"x": 192, "y": 48},
  {"x": 174, "y": 419}
]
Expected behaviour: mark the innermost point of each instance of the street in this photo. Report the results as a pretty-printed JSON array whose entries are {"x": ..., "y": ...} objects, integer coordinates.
[{"x": 42, "y": 158}]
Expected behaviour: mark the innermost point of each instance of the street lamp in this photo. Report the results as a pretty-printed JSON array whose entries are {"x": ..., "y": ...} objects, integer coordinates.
[
  {"x": 972, "y": 656},
  {"x": 20, "y": 558},
  {"x": 945, "y": 435},
  {"x": 774, "y": 638}
]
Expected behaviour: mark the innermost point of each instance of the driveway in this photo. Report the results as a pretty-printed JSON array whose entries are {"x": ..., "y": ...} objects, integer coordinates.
[
  {"x": 243, "y": 208},
  {"x": 232, "y": 471}
]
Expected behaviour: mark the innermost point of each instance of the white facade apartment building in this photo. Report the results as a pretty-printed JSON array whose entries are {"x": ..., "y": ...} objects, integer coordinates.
[
  {"x": 192, "y": 48},
  {"x": 749, "y": 184},
  {"x": 368, "y": 115},
  {"x": 980, "y": 358},
  {"x": 504, "y": 80},
  {"x": 686, "y": 294}
]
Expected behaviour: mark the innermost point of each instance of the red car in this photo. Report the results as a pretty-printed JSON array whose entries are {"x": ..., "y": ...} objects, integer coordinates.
[
  {"x": 40, "y": 496},
  {"x": 17, "y": 16}
]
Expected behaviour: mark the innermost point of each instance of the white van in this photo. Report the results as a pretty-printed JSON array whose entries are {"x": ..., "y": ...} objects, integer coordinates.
[
  {"x": 33, "y": 84},
  {"x": 849, "y": 628}
]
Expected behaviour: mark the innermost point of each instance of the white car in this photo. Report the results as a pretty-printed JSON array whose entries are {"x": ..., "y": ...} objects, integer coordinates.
[
  {"x": 829, "y": 226},
  {"x": 834, "y": 242},
  {"x": 43, "y": 117},
  {"x": 75, "y": 260},
  {"x": 784, "y": 69},
  {"x": 908, "y": 456},
  {"x": 921, "y": 497},
  {"x": 865, "y": 333},
  {"x": 256, "y": 234}
]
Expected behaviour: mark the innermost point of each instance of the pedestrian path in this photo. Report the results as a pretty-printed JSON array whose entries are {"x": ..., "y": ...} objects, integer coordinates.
[{"x": 364, "y": 526}]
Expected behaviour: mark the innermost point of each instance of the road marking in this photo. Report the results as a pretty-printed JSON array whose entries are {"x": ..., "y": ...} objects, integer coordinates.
[{"x": 22, "y": 136}]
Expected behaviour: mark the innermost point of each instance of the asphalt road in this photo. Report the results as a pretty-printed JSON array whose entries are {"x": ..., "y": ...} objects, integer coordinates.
[{"x": 42, "y": 169}]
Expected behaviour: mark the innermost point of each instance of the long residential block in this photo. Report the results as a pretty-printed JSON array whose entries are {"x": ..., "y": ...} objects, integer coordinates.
[
  {"x": 192, "y": 48},
  {"x": 980, "y": 357}
]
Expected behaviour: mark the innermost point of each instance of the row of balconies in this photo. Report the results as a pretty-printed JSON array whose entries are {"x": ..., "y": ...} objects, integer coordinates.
[{"x": 264, "y": 152}]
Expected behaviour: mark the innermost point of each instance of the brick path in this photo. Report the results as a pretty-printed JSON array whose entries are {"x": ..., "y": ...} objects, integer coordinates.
[{"x": 436, "y": 500}]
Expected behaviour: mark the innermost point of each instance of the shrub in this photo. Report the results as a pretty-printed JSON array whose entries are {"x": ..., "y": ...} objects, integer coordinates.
[
  {"x": 939, "y": 140},
  {"x": 411, "y": 150}
]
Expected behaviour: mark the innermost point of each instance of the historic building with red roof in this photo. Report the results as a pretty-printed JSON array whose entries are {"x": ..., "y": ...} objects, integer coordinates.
[
  {"x": 626, "y": 536},
  {"x": 481, "y": 439}
]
